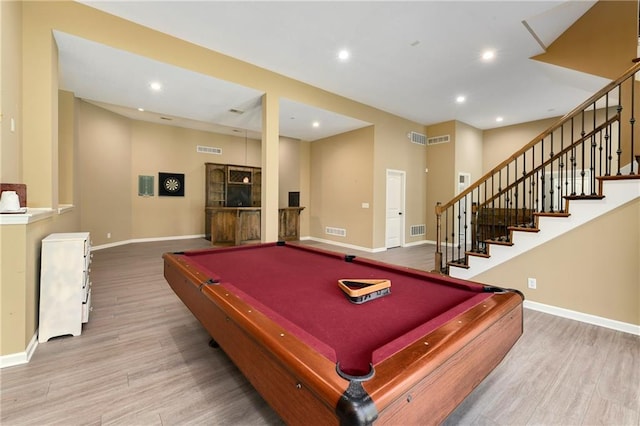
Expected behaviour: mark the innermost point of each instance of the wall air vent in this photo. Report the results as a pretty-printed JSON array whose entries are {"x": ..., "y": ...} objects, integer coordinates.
[
  {"x": 418, "y": 230},
  {"x": 439, "y": 139},
  {"x": 418, "y": 138},
  {"x": 338, "y": 232},
  {"x": 208, "y": 150}
]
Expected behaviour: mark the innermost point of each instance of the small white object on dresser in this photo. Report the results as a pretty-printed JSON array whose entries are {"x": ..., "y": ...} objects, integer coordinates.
[{"x": 65, "y": 289}]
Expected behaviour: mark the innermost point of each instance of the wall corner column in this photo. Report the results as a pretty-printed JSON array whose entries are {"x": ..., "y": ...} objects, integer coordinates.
[{"x": 270, "y": 166}]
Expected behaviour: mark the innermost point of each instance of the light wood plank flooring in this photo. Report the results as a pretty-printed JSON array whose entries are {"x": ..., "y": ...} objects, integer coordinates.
[{"x": 144, "y": 360}]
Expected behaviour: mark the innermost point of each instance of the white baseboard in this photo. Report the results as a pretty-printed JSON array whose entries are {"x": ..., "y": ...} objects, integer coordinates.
[
  {"x": 339, "y": 244},
  {"x": 582, "y": 317},
  {"x": 145, "y": 240},
  {"x": 20, "y": 357},
  {"x": 419, "y": 243}
]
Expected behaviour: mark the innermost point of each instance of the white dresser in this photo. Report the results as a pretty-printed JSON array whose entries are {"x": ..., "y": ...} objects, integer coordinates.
[{"x": 65, "y": 289}]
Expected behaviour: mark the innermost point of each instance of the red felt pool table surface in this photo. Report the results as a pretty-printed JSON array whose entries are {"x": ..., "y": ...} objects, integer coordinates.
[{"x": 277, "y": 311}]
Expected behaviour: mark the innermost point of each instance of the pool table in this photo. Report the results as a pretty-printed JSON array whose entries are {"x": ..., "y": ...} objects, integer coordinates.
[{"x": 409, "y": 357}]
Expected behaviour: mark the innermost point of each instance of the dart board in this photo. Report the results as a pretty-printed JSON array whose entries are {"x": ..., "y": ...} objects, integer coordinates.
[{"x": 171, "y": 184}]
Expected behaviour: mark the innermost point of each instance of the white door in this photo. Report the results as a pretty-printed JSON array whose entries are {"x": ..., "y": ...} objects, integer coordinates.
[{"x": 394, "y": 234}]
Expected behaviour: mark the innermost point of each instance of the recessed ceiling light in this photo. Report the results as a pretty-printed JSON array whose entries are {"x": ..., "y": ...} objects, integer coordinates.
[
  {"x": 343, "y": 55},
  {"x": 156, "y": 86},
  {"x": 488, "y": 55},
  {"x": 499, "y": 119},
  {"x": 316, "y": 124},
  {"x": 460, "y": 99},
  {"x": 141, "y": 109}
]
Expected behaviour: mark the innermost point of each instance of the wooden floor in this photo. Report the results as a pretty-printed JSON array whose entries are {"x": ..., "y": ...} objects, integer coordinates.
[{"x": 144, "y": 360}]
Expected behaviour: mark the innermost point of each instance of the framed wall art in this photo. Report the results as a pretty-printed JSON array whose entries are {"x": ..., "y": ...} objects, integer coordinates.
[{"x": 171, "y": 184}]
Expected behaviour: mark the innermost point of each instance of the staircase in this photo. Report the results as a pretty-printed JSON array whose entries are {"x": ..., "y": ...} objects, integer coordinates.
[{"x": 576, "y": 170}]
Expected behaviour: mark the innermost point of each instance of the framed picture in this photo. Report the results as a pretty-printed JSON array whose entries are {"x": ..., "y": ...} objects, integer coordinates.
[
  {"x": 171, "y": 184},
  {"x": 145, "y": 186}
]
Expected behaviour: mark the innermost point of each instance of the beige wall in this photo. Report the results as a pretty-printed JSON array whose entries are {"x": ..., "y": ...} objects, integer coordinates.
[
  {"x": 468, "y": 152},
  {"x": 501, "y": 142},
  {"x": 592, "y": 269},
  {"x": 393, "y": 150},
  {"x": 66, "y": 147},
  {"x": 20, "y": 277},
  {"x": 602, "y": 42},
  {"x": 305, "y": 187},
  {"x": 11, "y": 89},
  {"x": 104, "y": 167},
  {"x": 341, "y": 175},
  {"x": 290, "y": 169},
  {"x": 440, "y": 177}
]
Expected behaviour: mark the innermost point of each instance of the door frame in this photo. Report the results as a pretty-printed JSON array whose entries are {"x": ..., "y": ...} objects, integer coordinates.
[{"x": 403, "y": 177}]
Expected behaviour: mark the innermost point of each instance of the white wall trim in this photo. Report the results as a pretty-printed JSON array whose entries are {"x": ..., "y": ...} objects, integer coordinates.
[
  {"x": 351, "y": 246},
  {"x": 145, "y": 240},
  {"x": 20, "y": 357},
  {"x": 582, "y": 317}
]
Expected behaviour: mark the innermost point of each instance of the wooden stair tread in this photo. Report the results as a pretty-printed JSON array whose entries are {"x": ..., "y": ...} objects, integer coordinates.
[
  {"x": 498, "y": 242},
  {"x": 477, "y": 254},
  {"x": 523, "y": 229},
  {"x": 552, "y": 214},
  {"x": 458, "y": 265},
  {"x": 619, "y": 177},
  {"x": 583, "y": 197}
]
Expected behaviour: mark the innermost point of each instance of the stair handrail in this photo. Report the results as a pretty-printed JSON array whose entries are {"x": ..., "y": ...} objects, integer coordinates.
[{"x": 563, "y": 120}]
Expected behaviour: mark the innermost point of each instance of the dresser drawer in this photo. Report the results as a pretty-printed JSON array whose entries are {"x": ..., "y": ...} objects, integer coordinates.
[{"x": 86, "y": 306}]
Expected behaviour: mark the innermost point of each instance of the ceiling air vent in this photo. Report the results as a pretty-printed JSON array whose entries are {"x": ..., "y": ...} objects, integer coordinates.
[
  {"x": 208, "y": 150},
  {"x": 418, "y": 138},
  {"x": 439, "y": 139}
]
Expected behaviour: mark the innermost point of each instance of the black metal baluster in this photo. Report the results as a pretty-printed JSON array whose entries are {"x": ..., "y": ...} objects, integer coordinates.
[
  {"x": 458, "y": 230},
  {"x": 607, "y": 139},
  {"x": 525, "y": 201},
  {"x": 592, "y": 164},
  {"x": 562, "y": 172},
  {"x": 551, "y": 189},
  {"x": 632, "y": 121},
  {"x": 619, "y": 150},
  {"x": 542, "y": 178},
  {"x": 582, "y": 133},
  {"x": 573, "y": 159},
  {"x": 466, "y": 226}
]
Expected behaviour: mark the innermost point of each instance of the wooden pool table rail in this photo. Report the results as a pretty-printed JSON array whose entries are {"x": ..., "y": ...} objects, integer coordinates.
[{"x": 421, "y": 384}]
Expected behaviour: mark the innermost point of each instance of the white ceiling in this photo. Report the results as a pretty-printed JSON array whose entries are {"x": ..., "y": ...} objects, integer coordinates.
[{"x": 411, "y": 59}]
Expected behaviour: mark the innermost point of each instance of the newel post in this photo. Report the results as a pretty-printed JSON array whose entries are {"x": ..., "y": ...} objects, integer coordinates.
[{"x": 438, "y": 255}]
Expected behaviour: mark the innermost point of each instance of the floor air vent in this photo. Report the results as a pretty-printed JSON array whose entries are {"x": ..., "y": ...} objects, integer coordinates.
[
  {"x": 338, "y": 232},
  {"x": 418, "y": 138},
  {"x": 418, "y": 230},
  {"x": 438, "y": 139},
  {"x": 208, "y": 150}
]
